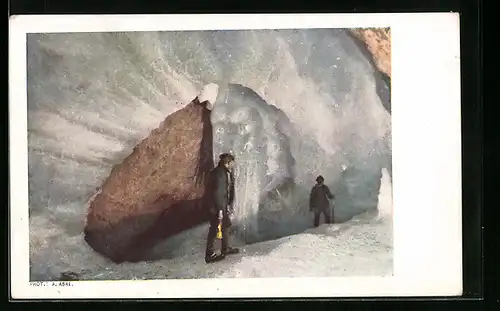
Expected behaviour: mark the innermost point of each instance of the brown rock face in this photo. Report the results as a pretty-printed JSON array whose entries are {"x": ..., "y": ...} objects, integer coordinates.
[
  {"x": 378, "y": 42},
  {"x": 157, "y": 191}
]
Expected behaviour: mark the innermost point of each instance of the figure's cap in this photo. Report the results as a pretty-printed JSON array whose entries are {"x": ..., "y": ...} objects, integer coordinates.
[{"x": 227, "y": 156}]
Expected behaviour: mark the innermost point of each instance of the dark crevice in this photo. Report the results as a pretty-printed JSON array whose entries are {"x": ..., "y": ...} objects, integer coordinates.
[{"x": 205, "y": 156}]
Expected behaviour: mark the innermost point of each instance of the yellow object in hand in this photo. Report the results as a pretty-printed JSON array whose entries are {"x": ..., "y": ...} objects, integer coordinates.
[{"x": 219, "y": 231}]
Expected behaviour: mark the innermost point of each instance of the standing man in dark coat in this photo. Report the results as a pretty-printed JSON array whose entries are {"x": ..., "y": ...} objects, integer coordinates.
[
  {"x": 221, "y": 196},
  {"x": 319, "y": 201}
]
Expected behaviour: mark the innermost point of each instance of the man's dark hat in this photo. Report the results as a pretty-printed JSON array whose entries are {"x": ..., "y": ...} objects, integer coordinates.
[
  {"x": 226, "y": 155},
  {"x": 319, "y": 178}
]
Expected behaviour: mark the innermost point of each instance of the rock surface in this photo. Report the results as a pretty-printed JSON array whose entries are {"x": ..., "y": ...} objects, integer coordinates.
[
  {"x": 378, "y": 42},
  {"x": 157, "y": 191}
]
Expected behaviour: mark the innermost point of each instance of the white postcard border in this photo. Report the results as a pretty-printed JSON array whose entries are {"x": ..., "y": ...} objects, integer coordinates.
[{"x": 426, "y": 128}]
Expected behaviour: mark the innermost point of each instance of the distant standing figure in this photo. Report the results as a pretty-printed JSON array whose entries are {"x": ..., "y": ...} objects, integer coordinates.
[
  {"x": 221, "y": 196},
  {"x": 319, "y": 201}
]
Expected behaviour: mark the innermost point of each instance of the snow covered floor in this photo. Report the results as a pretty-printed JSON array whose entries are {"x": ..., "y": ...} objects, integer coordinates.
[
  {"x": 336, "y": 250},
  {"x": 360, "y": 247}
]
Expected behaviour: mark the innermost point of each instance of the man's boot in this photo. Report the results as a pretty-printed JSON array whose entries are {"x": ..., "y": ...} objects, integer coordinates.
[{"x": 213, "y": 258}]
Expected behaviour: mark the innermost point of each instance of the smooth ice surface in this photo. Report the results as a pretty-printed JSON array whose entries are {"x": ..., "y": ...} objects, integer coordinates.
[
  {"x": 279, "y": 160},
  {"x": 291, "y": 105}
]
